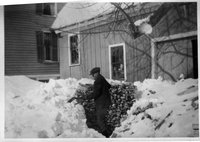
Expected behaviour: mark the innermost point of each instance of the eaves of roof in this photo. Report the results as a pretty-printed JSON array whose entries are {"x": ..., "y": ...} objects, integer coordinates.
[{"x": 148, "y": 8}]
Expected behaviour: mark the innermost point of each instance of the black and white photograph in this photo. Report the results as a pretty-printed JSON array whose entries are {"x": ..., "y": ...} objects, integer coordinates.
[{"x": 111, "y": 70}]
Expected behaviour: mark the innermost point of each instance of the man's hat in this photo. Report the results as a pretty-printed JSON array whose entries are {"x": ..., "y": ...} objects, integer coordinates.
[{"x": 95, "y": 70}]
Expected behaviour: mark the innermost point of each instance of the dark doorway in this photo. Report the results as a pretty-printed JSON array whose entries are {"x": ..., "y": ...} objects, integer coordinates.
[{"x": 195, "y": 57}]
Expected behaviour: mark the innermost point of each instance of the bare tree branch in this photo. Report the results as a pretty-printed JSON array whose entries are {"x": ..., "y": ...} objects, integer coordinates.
[
  {"x": 132, "y": 25},
  {"x": 121, "y": 22}
]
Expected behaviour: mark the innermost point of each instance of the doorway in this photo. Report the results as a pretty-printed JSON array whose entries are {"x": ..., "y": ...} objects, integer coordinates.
[
  {"x": 117, "y": 62},
  {"x": 195, "y": 57}
]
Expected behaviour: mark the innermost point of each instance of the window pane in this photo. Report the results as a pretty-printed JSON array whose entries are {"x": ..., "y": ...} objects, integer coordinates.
[
  {"x": 55, "y": 48},
  {"x": 48, "y": 9},
  {"x": 74, "y": 49},
  {"x": 117, "y": 63},
  {"x": 47, "y": 46}
]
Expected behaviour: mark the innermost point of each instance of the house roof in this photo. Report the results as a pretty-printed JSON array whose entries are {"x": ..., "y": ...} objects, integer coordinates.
[{"x": 78, "y": 12}]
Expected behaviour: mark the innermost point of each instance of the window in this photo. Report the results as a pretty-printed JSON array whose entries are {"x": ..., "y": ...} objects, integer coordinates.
[
  {"x": 74, "y": 53},
  {"x": 47, "y": 47},
  {"x": 117, "y": 62},
  {"x": 46, "y": 9}
]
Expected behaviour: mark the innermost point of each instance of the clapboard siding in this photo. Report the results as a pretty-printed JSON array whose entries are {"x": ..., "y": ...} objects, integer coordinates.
[
  {"x": 94, "y": 53},
  {"x": 102, "y": 47},
  {"x": 177, "y": 64},
  {"x": 21, "y": 24},
  {"x": 171, "y": 23},
  {"x": 94, "y": 49}
]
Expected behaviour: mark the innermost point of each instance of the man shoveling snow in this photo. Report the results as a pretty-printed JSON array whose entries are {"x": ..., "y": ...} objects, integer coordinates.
[
  {"x": 102, "y": 99},
  {"x": 34, "y": 109}
]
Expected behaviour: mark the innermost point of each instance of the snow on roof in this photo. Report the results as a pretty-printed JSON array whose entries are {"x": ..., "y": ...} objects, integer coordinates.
[
  {"x": 76, "y": 15},
  {"x": 77, "y": 12}
]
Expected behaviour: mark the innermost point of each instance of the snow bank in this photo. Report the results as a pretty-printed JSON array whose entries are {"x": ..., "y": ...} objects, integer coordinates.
[
  {"x": 40, "y": 110},
  {"x": 165, "y": 109},
  {"x": 35, "y": 109}
]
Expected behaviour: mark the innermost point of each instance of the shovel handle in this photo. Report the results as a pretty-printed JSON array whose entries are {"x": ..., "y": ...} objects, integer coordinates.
[{"x": 70, "y": 100}]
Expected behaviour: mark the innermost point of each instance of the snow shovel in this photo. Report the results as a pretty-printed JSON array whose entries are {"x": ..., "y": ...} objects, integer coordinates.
[
  {"x": 74, "y": 98},
  {"x": 70, "y": 100}
]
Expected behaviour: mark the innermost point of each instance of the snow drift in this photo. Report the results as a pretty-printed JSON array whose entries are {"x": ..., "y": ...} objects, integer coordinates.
[
  {"x": 165, "y": 109},
  {"x": 40, "y": 110}
]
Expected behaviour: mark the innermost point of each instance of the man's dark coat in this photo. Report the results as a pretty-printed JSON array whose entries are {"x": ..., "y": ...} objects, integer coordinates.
[
  {"x": 101, "y": 92},
  {"x": 102, "y": 101}
]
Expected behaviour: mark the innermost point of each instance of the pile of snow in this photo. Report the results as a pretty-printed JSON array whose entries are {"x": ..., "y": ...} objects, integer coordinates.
[
  {"x": 143, "y": 25},
  {"x": 165, "y": 109},
  {"x": 144, "y": 20},
  {"x": 40, "y": 110}
]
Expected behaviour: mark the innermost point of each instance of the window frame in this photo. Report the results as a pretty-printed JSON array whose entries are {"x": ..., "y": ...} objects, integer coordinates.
[
  {"x": 43, "y": 60},
  {"x": 42, "y": 8},
  {"x": 124, "y": 54},
  {"x": 69, "y": 50}
]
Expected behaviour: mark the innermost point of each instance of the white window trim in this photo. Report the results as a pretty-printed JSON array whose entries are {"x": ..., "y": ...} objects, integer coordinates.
[
  {"x": 124, "y": 54},
  {"x": 69, "y": 51},
  {"x": 154, "y": 41}
]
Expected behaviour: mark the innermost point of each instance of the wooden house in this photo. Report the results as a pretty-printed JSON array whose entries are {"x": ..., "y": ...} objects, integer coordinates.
[
  {"x": 30, "y": 44},
  {"x": 169, "y": 51}
]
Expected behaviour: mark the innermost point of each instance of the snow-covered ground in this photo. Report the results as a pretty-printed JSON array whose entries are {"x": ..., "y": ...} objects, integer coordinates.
[
  {"x": 169, "y": 110},
  {"x": 39, "y": 110}
]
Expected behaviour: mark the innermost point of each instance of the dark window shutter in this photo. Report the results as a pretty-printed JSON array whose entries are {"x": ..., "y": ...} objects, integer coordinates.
[
  {"x": 39, "y": 9},
  {"x": 40, "y": 46},
  {"x": 55, "y": 47}
]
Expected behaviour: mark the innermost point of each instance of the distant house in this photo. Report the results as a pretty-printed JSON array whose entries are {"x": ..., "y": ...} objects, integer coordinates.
[
  {"x": 30, "y": 45},
  {"x": 171, "y": 47}
]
